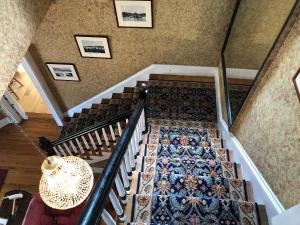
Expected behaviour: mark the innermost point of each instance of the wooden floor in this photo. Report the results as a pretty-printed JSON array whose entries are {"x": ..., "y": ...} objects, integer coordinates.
[
  {"x": 19, "y": 156},
  {"x": 29, "y": 98}
]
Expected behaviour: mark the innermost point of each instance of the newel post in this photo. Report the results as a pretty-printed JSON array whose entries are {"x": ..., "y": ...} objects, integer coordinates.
[
  {"x": 46, "y": 145},
  {"x": 144, "y": 95}
]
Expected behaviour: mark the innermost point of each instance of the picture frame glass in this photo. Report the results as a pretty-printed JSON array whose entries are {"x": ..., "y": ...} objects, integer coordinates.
[
  {"x": 95, "y": 47},
  {"x": 134, "y": 13},
  {"x": 63, "y": 71}
]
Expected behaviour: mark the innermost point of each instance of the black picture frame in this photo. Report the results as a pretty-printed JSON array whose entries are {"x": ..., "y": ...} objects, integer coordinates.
[
  {"x": 141, "y": 27},
  {"x": 74, "y": 70},
  {"x": 77, "y": 38}
]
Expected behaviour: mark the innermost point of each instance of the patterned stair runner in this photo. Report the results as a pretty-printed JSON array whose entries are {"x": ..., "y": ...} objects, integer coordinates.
[{"x": 186, "y": 177}]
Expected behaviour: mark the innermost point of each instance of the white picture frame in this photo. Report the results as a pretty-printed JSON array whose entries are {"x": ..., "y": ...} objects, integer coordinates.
[
  {"x": 93, "y": 46},
  {"x": 62, "y": 71},
  {"x": 136, "y": 14}
]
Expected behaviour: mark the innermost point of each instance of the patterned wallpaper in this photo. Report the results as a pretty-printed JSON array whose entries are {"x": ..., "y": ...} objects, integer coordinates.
[
  {"x": 270, "y": 126},
  {"x": 255, "y": 29},
  {"x": 19, "y": 21},
  {"x": 189, "y": 32}
]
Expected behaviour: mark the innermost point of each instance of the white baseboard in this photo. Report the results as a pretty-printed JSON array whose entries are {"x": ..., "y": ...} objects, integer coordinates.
[
  {"x": 262, "y": 192},
  {"x": 143, "y": 75},
  {"x": 241, "y": 73},
  {"x": 3, "y": 122}
]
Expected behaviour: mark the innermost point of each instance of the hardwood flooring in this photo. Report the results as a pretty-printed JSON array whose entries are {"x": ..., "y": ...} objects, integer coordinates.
[{"x": 18, "y": 155}]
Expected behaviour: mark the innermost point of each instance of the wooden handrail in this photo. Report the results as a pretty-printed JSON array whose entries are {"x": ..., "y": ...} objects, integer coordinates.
[{"x": 91, "y": 215}]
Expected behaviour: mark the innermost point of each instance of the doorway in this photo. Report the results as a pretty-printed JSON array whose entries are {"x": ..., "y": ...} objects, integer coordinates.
[{"x": 25, "y": 93}]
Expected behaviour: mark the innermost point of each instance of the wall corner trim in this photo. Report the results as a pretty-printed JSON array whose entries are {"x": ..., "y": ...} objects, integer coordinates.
[
  {"x": 143, "y": 75},
  {"x": 262, "y": 192}
]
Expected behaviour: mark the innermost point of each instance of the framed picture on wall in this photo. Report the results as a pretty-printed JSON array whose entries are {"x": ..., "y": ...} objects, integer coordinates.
[
  {"x": 136, "y": 14},
  {"x": 93, "y": 46},
  {"x": 62, "y": 71},
  {"x": 296, "y": 81}
]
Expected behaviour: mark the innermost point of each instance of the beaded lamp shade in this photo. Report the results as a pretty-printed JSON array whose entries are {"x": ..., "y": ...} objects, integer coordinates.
[{"x": 66, "y": 181}]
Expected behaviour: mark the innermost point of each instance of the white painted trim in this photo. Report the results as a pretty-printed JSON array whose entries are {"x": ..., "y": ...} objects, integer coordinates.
[
  {"x": 262, "y": 192},
  {"x": 11, "y": 113},
  {"x": 241, "y": 73},
  {"x": 38, "y": 81},
  {"x": 15, "y": 104},
  {"x": 5, "y": 121},
  {"x": 143, "y": 75},
  {"x": 289, "y": 217}
]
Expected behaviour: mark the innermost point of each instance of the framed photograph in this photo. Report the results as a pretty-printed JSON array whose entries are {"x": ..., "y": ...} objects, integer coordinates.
[
  {"x": 93, "y": 46},
  {"x": 136, "y": 14},
  {"x": 296, "y": 81},
  {"x": 62, "y": 71}
]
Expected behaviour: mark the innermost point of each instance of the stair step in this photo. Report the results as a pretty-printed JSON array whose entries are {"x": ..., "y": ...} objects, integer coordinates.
[
  {"x": 116, "y": 95},
  {"x": 190, "y": 166},
  {"x": 161, "y": 209},
  {"x": 193, "y": 186},
  {"x": 181, "y": 78},
  {"x": 182, "y": 123},
  {"x": 105, "y": 100},
  {"x": 172, "y": 151}
]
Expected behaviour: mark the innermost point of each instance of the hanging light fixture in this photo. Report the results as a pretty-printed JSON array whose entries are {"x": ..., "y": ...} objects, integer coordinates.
[{"x": 66, "y": 181}]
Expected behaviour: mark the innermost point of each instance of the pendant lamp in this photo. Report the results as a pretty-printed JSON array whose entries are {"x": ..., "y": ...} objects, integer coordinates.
[{"x": 66, "y": 181}]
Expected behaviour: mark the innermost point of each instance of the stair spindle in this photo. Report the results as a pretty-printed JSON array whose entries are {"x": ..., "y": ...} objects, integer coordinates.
[
  {"x": 121, "y": 190},
  {"x": 68, "y": 149},
  {"x": 92, "y": 141},
  {"x": 128, "y": 166},
  {"x": 105, "y": 137},
  {"x": 73, "y": 147},
  {"x": 125, "y": 177},
  {"x": 62, "y": 150},
  {"x": 119, "y": 129},
  {"x": 107, "y": 218},
  {"x": 56, "y": 151},
  {"x": 117, "y": 206},
  {"x": 112, "y": 133}
]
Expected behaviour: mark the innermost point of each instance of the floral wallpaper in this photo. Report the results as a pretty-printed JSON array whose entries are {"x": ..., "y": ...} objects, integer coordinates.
[
  {"x": 269, "y": 128},
  {"x": 254, "y": 31},
  {"x": 19, "y": 21},
  {"x": 189, "y": 32}
]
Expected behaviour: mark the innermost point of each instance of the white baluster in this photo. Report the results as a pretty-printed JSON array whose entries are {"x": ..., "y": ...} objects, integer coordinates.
[
  {"x": 73, "y": 147},
  {"x": 128, "y": 166},
  {"x": 121, "y": 190},
  {"x": 133, "y": 147},
  {"x": 126, "y": 120},
  {"x": 92, "y": 141},
  {"x": 56, "y": 151},
  {"x": 67, "y": 148},
  {"x": 117, "y": 206},
  {"x": 135, "y": 141},
  {"x": 119, "y": 129},
  {"x": 107, "y": 218},
  {"x": 62, "y": 150},
  {"x": 131, "y": 158},
  {"x": 85, "y": 142},
  {"x": 79, "y": 145},
  {"x": 125, "y": 177},
  {"x": 105, "y": 137},
  {"x": 112, "y": 133},
  {"x": 98, "y": 139}
]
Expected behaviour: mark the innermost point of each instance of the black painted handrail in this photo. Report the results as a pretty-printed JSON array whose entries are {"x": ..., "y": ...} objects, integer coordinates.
[
  {"x": 91, "y": 129},
  {"x": 91, "y": 215}
]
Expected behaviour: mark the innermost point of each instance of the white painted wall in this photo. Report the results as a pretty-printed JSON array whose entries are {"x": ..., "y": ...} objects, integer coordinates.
[{"x": 38, "y": 81}]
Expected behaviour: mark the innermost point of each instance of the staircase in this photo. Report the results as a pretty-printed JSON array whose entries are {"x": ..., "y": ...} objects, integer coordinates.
[
  {"x": 185, "y": 176},
  {"x": 174, "y": 172}
]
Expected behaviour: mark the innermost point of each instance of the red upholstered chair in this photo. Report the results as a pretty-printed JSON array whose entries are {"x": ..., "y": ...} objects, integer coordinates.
[{"x": 38, "y": 213}]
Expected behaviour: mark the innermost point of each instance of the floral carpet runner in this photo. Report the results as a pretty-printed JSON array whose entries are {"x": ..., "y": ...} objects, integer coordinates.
[{"x": 186, "y": 177}]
